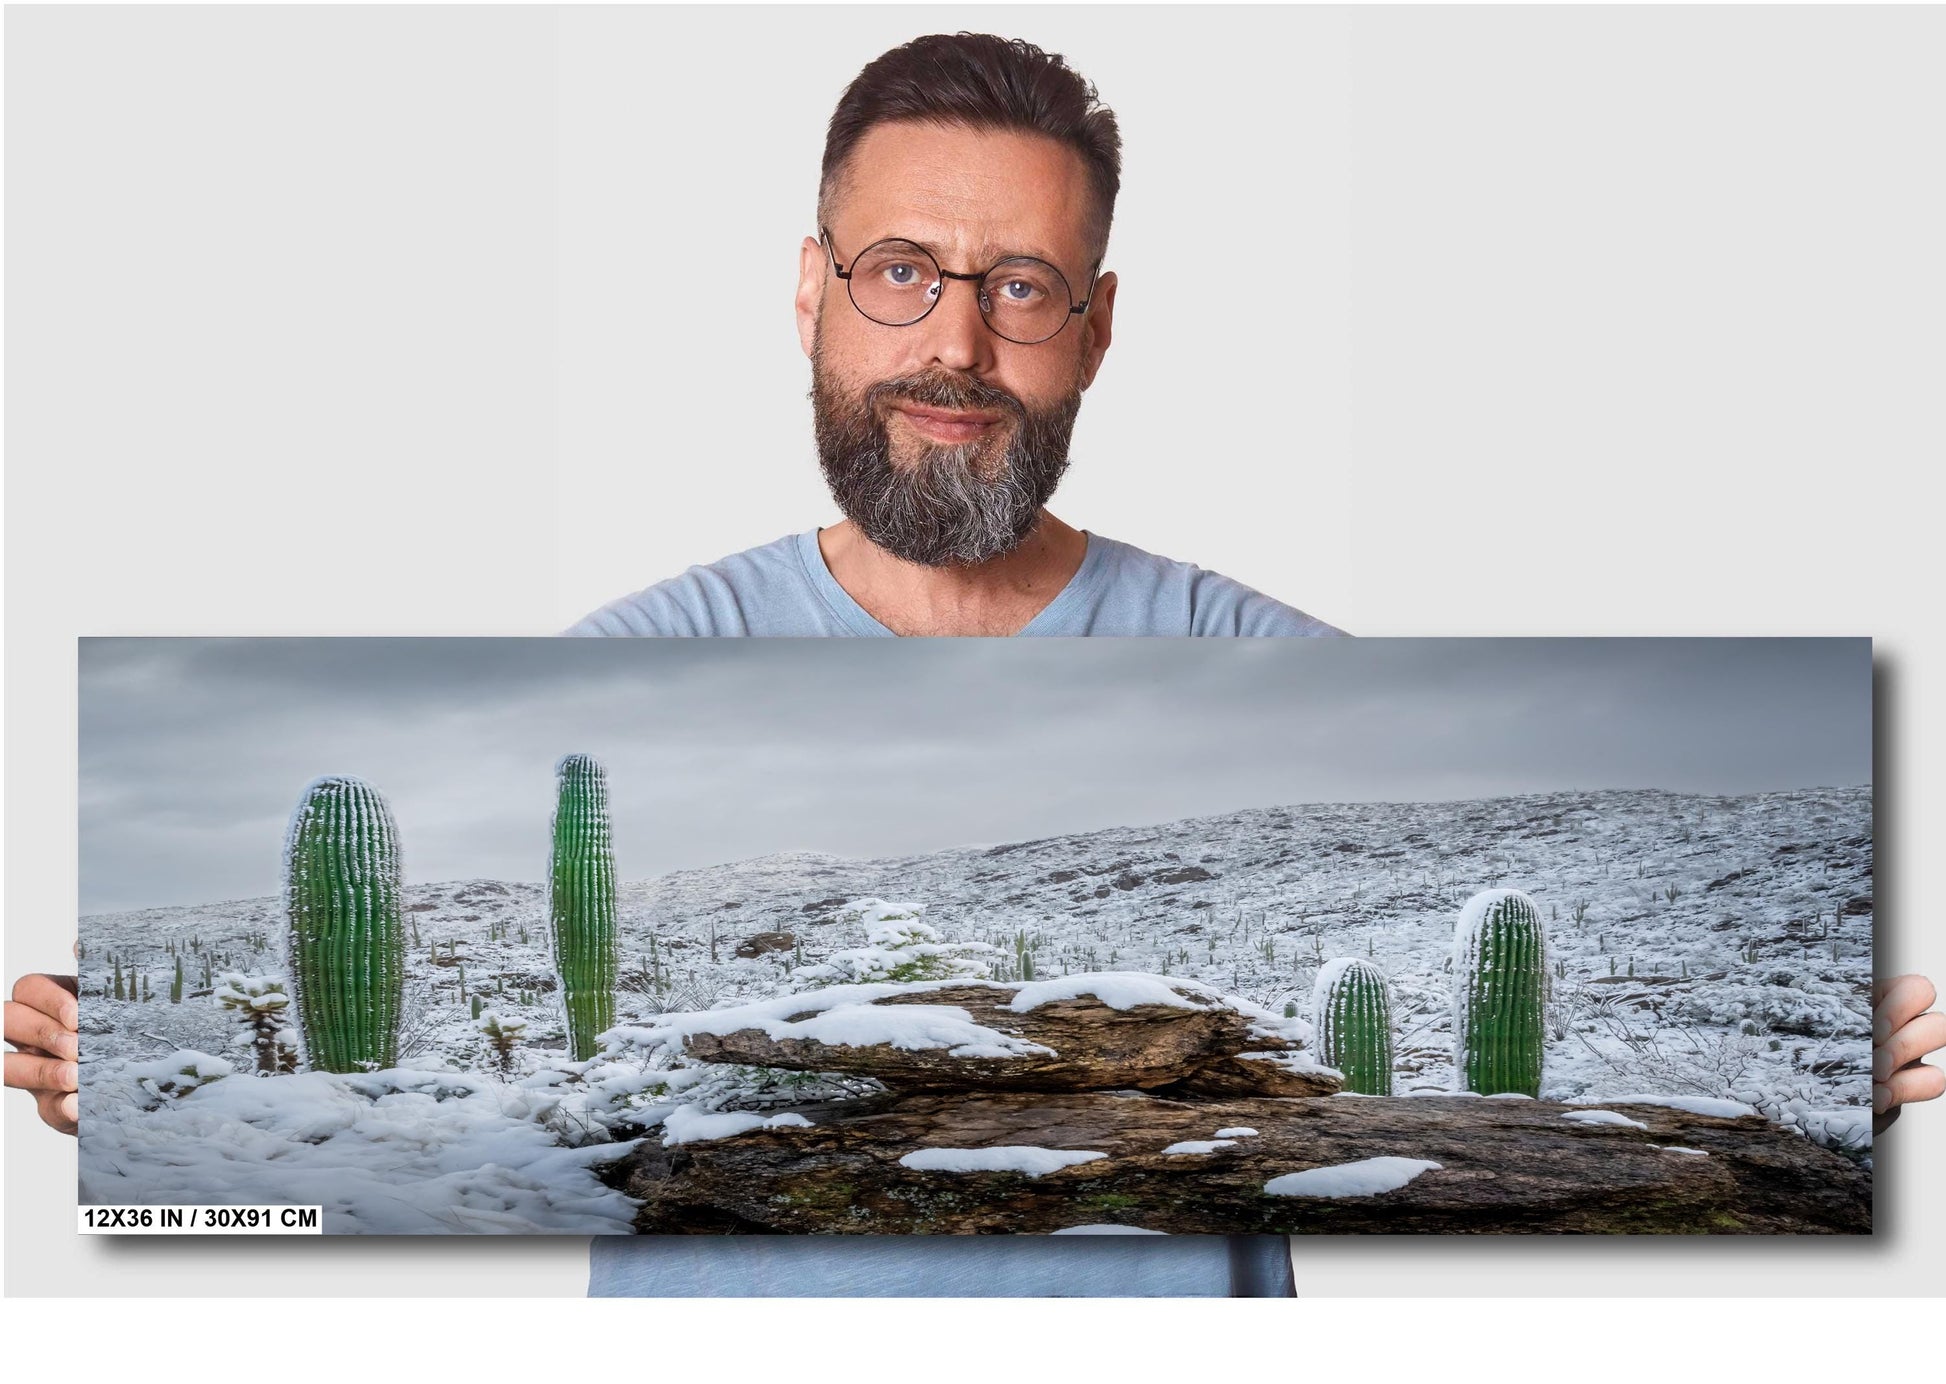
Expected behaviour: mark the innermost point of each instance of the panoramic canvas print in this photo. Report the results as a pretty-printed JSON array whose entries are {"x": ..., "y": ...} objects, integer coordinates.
[{"x": 980, "y": 936}]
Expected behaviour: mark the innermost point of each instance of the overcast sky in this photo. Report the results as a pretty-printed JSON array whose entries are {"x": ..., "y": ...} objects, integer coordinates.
[{"x": 193, "y": 751}]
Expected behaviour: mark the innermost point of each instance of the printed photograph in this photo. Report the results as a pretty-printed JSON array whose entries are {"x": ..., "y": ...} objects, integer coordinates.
[{"x": 980, "y": 936}]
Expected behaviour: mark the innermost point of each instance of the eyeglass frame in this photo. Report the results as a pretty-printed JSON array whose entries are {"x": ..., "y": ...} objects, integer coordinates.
[{"x": 1074, "y": 309}]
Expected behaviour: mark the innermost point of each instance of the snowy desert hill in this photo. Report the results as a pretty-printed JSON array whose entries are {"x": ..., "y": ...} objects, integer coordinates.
[{"x": 1699, "y": 945}]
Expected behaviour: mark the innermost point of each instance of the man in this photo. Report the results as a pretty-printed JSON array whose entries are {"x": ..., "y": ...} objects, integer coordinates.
[{"x": 954, "y": 312}]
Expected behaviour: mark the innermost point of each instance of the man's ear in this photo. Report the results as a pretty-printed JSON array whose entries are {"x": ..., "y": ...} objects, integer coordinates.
[
  {"x": 810, "y": 291},
  {"x": 1099, "y": 324}
]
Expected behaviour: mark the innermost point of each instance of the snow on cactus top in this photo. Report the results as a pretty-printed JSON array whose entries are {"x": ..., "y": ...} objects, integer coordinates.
[
  {"x": 251, "y": 994},
  {"x": 306, "y": 803},
  {"x": 1473, "y": 918},
  {"x": 1330, "y": 975}
]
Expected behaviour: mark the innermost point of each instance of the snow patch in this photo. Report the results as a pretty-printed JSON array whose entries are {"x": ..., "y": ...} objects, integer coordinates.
[
  {"x": 1201, "y": 1145},
  {"x": 1695, "y": 1105},
  {"x": 841, "y": 1015},
  {"x": 1106, "y": 1230},
  {"x": 688, "y": 1125},
  {"x": 1365, "y": 1178},
  {"x": 393, "y": 1152},
  {"x": 1235, "y": 1132},
  {"x": 1006, "y": 1158},
  {"x": 1602, "y": 1117},
  {"x": 1117, "y": 990}
]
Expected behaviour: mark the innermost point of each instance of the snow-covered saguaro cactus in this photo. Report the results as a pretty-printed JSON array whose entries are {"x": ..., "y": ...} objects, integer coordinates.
[
  {"x": 1352, "y": 1011},
  {"x": 343, "y": 892},
  {"x": 1499, "y": 993},
  {"x": 581, "y": 875}
]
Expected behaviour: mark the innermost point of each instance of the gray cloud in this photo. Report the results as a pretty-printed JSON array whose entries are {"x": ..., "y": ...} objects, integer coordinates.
[{"x": 193, "y": 751}]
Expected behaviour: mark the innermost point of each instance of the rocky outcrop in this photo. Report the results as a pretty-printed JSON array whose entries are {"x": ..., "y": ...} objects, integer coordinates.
[
  {"x": 1158, "y": 1104},
  {"x": 1076, "y": 1043},
  {"x": 1446, "y": 1165}
]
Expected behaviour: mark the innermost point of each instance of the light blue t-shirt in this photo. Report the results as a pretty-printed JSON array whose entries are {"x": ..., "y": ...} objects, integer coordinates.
[{"x": 783, "y": 589}]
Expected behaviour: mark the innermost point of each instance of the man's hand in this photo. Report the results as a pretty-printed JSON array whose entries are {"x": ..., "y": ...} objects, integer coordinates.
[
  {"x": 1903, "y": 1033},
  {"x": 42, "y": 1019}
]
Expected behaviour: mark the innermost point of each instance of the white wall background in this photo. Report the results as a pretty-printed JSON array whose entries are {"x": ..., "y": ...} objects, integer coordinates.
[{"x": 382, "y": 321}]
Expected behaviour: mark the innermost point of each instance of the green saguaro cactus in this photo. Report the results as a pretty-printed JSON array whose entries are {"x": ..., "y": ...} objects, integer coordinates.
[
  {"x": 343, "y": 896},
  {"x": 581, "y": 875},
  {"x": 1352, "y": 1012},
  {"x": 1499, "y": 990}
]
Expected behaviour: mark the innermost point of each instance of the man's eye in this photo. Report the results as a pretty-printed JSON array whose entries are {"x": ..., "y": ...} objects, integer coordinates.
[{"x": 894, "y": 272}]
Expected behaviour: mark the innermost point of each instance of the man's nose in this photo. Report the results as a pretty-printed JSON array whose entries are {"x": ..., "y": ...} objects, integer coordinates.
[{"x": 955, "y": 332}]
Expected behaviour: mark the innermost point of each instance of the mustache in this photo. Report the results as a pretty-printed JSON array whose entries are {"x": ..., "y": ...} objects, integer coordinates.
[{"x": 946, "y": 392}]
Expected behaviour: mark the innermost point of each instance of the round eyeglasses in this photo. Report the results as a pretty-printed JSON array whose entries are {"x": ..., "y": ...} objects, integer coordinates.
[{"x": 897, "y": 282}]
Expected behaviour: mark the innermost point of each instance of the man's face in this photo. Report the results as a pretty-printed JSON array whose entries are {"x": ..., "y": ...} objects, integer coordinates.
[{"x": 918, "y": 484}]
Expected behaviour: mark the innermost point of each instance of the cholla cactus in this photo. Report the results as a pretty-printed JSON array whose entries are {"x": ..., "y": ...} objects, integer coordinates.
[
  {"x": 503, "y": 1035},
  {"x": 581, "y": 874},
  {"x": 263, "y": 1004},
  {"x": 898, "y": 948},
  {"x": 1499, "y": 994},
  {"x": 1352, "y": 1010},
  {"x": 342, "y": 895}
]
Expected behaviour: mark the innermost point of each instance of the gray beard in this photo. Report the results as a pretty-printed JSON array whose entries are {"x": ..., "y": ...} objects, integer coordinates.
[{"x": 942, "y": 511}]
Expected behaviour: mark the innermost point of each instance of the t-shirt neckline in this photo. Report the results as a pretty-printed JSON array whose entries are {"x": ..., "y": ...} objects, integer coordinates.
[{"x": 1086, "y": 578}]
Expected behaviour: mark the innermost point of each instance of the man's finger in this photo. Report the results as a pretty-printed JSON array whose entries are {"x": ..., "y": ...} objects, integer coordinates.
[
  {"x": 54, "y": 996},
  {"x": 29, "y": 1073},
  {"x": 1903, "y": 999},
  {"x": 59, "y": 1112},
  {"x": 1923, "y": 1035},
  {"x": 1918, "y": 1082},
  {"x": 30, "y": 1029}
]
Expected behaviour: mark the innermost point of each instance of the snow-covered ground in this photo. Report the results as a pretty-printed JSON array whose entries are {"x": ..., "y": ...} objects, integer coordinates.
[{"x": 1709, "y": 947}]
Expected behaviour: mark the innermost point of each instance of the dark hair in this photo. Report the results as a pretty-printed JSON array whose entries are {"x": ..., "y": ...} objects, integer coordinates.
[{"x": 982, "y": 82}]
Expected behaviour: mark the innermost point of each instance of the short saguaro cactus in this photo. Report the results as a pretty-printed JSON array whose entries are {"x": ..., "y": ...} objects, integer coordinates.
[
  {"x": 1351, "y": 1009},
  {"x": 1499, "y": 994}
]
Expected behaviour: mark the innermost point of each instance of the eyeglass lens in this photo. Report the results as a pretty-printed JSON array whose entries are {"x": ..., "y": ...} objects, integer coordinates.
[{"x": 896, "y": 283}]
